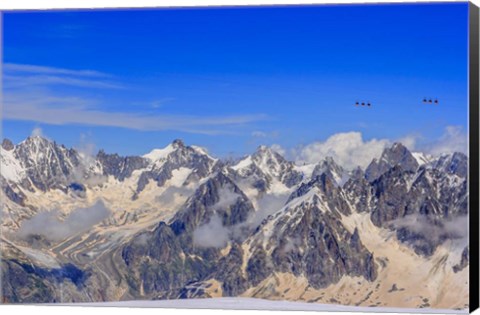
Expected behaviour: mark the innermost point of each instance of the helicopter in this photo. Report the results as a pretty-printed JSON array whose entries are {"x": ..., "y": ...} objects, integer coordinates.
[
  {"x": 430, "y": 101},
  {"x": 357, "y": 103}
]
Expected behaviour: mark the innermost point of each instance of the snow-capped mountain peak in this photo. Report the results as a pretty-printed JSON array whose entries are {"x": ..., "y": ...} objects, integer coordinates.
[
  {"x": 157, "y": 154},
  {"x": 398, "y": 154},
  {"x": 175, "y": 150},
  {"x": 329, "y": 167},
  {"x": 269, "y": 161}
]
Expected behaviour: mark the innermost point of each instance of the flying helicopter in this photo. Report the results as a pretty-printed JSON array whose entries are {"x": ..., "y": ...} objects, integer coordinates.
[
  {"x": 430, "y": 101},
  {"x": 357, "y": 103}
]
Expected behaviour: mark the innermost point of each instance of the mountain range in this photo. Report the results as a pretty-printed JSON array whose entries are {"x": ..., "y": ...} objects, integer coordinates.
[{"x": 178, "y": 223}]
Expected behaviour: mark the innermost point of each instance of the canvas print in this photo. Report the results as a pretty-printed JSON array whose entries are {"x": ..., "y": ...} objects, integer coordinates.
[{"x": 299, "y": 157}]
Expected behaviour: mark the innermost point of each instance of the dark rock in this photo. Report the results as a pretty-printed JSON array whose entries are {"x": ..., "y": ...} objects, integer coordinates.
[
  {"x": 464, "y": 261},
  {"x": 118, "y": 166},
  {"x": 397, "y": 155},
  {"x": 7, "y": 145}
]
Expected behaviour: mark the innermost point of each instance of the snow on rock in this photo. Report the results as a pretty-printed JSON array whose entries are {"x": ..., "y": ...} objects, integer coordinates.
[
  {"x": 158, "y": 154},
  {"x": 422, "y": 158},
  {"x": 10, "y": 167},
  {"x": 246, "y": 162}
]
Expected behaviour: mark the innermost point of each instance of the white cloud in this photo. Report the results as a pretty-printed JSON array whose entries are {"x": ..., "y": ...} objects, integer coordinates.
[
  {"x": 259, "y": 134},
  {"x": 262, "y": 135},
  {"x": 454, "y": 139},
  {"x": 28, "y": 76},
  {"x": 348, "y": 149},
  {"x": 31, "y": 94},
  {"x": 83, "y": 173},
  {"x": 409, "y": 141},
  {"x": 23, "y": 68},
  {"x": 37, "y": 132},
  {"x": 19, "y": 81},
  {"x": 51, "y": 227},
  {"x": 452, "y": 228},
  {"x": 279, "y": 149},
  {"x": 212, "y": 234},
  {"x": 159, "y": 103},
  {"x": 72, "y": 110}
]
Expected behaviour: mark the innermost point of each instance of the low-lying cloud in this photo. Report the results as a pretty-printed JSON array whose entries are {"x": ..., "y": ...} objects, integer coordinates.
[
  {"x": 211, "y": 234},
  {"x": 350, "y": 150},
  {"x": 52, "y": 228},
  {"x": 172, "y": 193},
  {"x": 84, "y": 173},
  {"x": 446, "y": 229},
  {"x": 347, "y": 149},
  {"x": 215, "y": 234}
]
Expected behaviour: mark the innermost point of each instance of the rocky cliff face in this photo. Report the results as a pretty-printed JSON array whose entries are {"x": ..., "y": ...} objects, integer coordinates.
[
  {"x": 118, "y": 166},
  {"x": 266, "y": 170},
  {"x": 176, "y": 156},
  {"x": 397, "y": 155},
  {"x": 184, "y": 225},
  {"x": 416, "y": 203},
  {"x": 46, "y": 165}
]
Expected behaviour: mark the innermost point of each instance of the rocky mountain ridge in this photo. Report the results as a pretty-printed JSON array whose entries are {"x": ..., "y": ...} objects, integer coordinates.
[{"x": 183, "y": 224}]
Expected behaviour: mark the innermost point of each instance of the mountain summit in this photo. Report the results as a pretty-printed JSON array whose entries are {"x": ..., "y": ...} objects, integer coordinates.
[{"x": 398, "y": 154}]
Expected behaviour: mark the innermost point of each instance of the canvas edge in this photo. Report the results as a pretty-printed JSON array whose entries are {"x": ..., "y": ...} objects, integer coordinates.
[
  {"x": 474, "y": 227},
  {"x": 238, "y": 5},
  {"x": 474, "y": 117}
]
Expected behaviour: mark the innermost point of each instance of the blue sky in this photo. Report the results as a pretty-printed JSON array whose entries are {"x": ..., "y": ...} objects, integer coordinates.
[{"x": 231, "y": 79}]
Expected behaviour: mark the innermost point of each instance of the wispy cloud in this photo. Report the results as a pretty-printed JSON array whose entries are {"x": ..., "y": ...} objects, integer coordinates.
[
  {"x": 261, "y": 134},
  {"x": 34, "y": 69},
  {"x": 76, "y": 111},
  {"x": 32, "y": 94},
  {"x": 21, "y": 76},
  {"x": 37, "y": 132},
  {"x": 454, "y": 139},
  {"x": 43, "y": 80},
  {"x": 161, "y": 102}
]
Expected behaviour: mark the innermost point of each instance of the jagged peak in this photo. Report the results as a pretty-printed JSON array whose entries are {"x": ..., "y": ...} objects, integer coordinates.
[
  {"x": 178, "y": 143},
  {"x": 36, "y": 144},
  {"x": 158, "y": 154},
  {"x": 329, "y": 163},
  {"x": 459, "y": 155},
  {"x": 176, "y": 146},
  {"x": 7, "y": 144},
  {"x": 456, "y": 163},
  {"x": 358, "y": 173},
  {"x": 36, "y": 140},
  {"x": 398, "y": 145},
  {"x": 264, "y": 158},
  {"x": 264, "y": 152},
  {"x": 396, "y": 148},
  {"x": 263, "y": 147},
  {"x": 396, "y": 154}
]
